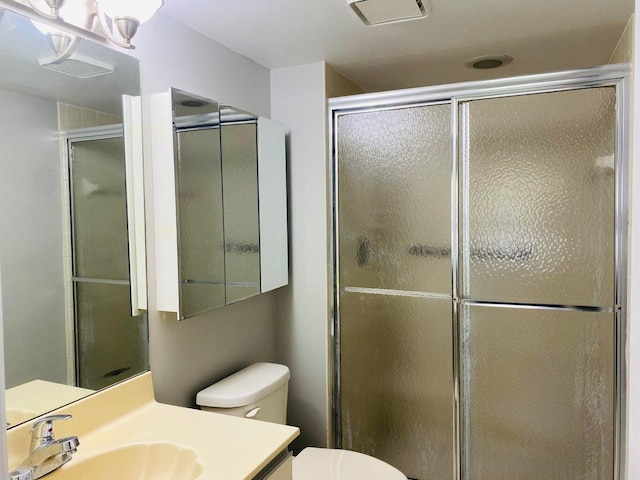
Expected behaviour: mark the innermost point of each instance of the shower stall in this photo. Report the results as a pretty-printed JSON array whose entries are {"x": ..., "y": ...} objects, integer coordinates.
[
  {"x": 480, "y": 276},
  {"x": 111, "y": 335}
]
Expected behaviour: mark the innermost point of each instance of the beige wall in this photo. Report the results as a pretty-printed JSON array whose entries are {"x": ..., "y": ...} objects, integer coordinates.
[
  {"x": 337, "y": 85},
  {"x": 71, "y": 117},
  {"x": 623, "y": 52},
  {"x": 303, "y": 316},
  {"x": 302, "y": 309}
]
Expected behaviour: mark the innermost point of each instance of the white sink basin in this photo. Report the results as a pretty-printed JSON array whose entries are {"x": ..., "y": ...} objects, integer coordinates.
[{"x": 143, "y": 461}]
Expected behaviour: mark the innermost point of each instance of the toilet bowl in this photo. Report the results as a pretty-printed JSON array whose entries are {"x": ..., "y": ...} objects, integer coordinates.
[
  {"x": 329, "y": 464},
  {"x": 260, "y": 392}
]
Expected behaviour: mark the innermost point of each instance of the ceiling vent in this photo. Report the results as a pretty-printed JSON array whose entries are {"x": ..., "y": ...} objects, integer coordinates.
[
  {"x": 78, "y": 66},
  {"x": 380, "y": 12}
]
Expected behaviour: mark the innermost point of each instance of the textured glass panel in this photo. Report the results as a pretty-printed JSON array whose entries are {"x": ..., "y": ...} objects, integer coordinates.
[
  {"x": 112, "y": 345},
  {"x": 396, "y": 377},
  {"x": 538, "y": 394},
  {"x": 394, "y": 197},
  {"x": 201, "y": 230},
  {"x": 100, "y": 241},
  {"x": 538, "y": 206},
  {"x": 241, "y": 224}
]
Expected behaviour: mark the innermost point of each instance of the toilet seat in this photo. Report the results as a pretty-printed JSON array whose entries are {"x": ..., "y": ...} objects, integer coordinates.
[{"x": 329, "y": 464}]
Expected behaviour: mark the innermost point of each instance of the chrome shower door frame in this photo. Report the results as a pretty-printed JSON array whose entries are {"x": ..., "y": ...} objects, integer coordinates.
[
  {"x": 603, "y": 76},
  {"x": 77, "y": 136},
  {"x": 71, "y": 137}
]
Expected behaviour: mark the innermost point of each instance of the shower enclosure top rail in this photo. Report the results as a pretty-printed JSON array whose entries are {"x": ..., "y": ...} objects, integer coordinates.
[{"x": 555, "y": 81}]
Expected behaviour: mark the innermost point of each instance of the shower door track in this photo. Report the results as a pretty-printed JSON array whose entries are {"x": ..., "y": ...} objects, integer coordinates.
[{"x": 603, "y": 76}]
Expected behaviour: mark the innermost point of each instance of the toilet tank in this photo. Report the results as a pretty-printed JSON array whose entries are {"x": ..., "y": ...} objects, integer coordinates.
[{"x": 258, "y": 391}]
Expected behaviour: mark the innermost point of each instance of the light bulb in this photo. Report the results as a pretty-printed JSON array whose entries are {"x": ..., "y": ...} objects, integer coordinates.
[
  {"x": 75, "y": 12},
  {"x": 141, "y": 10}
]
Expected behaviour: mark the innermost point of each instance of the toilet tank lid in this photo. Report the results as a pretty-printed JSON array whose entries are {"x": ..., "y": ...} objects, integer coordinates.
[{"x": 244, "y": 387}]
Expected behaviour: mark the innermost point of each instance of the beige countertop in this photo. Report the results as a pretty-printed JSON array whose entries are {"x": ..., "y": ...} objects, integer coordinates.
[
  {"x": 36, "y": 397},
  {"x": 228, "y": 448}
]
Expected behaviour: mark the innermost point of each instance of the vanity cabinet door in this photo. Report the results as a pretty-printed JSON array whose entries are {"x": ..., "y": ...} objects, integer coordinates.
[
  {"x": 241, "y": 222},
  {"x": 199, "y": 209},
  {"x": 281, "y": 470},
  {"x": 272, "y": 202}
]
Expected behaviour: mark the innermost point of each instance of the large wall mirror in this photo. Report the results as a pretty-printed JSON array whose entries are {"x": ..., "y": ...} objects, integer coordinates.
[
  {"x": 222, "y": 235},
  {"x": 71, "y": 207}
]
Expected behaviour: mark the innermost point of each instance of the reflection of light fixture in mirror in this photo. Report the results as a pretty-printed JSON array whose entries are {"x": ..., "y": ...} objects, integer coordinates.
[
  {"x": 117, "y": 20},
  {"x": 60, "y": 41},
  {"x": 63, "y": 43},
  {"x": 74, "y": 12}
]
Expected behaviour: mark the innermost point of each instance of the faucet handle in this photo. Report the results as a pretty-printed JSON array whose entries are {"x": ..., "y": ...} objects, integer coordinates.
[{"x": 42, "y": 430}]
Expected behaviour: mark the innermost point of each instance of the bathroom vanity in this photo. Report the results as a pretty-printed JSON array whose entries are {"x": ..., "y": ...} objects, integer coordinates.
[{"x": 123, "y": 429}]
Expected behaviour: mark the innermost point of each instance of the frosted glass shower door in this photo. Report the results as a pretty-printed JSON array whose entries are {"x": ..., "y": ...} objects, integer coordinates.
[
  {"x": 111, "y": 345},
  {"x": 538, "y": 393},
  {"x": 537, "y": 244},
  {"x": 395, "y": 280},
  {"x": 538, "y": 198}
]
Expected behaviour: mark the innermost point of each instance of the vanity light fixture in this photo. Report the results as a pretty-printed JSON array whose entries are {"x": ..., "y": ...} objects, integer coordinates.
[
  {"x": 126, "y": 15},
  {"x": 115, "y": 20}
]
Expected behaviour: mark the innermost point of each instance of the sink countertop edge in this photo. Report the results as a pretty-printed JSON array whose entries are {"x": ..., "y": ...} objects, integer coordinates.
[{"x": 127, "y": 413}]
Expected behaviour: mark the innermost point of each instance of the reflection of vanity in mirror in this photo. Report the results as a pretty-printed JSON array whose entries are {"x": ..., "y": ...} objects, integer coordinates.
[
  {"x": 72, "y": 238},
  {"x": 221, "y": 215}
]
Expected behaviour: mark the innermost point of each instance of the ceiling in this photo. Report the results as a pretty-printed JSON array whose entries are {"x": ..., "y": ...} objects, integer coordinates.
[
  {"x": 541, "y": 36},
  {"x": 24, "y": 47}
]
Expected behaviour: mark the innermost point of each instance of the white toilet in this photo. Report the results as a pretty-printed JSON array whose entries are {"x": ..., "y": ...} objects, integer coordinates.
[{"x": 260, "y": 392}]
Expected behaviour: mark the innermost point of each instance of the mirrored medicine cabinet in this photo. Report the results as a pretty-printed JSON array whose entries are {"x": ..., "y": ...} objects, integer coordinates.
[
  {"x": 220, "y": 203},
  {"x": 72, "y": 242}
]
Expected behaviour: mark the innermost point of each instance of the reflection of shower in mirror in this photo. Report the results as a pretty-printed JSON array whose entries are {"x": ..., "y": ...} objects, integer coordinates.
[{"x": 41, "y": 110}]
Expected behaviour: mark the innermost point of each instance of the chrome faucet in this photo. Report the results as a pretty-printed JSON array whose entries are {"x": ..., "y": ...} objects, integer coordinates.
[{"x": 46, "y": 454}]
